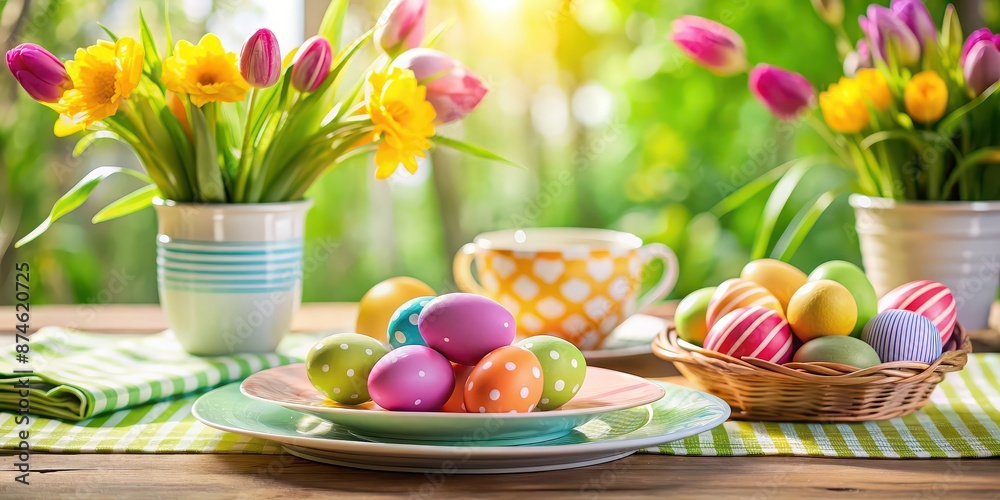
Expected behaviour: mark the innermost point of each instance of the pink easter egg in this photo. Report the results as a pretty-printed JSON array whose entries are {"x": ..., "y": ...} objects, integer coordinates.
[
  {"x": 927, "y": 298},
  {"x": 465, "y": 327},
  {"x": 754, "y": 332},
  {"x": 411, "y": 378}
]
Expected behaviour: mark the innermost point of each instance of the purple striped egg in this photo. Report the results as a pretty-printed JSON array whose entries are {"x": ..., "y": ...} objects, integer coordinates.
[
  {"x": 927, "y": 298},
  {"x": 898, "y": 335},
  {"x": 752, "y": 332}
]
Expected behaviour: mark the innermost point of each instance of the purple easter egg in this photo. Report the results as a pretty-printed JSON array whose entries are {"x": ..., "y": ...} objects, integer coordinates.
[
  {"x": 411, "y": 378},
  {"x": 465, "y": 327}
]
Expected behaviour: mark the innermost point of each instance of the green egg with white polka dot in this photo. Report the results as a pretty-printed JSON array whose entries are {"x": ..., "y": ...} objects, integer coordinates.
[
  {"x": 563, "y": 369},
  {"x": 338, "y": 366}
]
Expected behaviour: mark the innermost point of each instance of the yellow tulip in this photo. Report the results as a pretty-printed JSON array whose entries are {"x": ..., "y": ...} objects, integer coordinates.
[
  {"x": 103, "y": 76},
  {"x": 926, "y": 97},
  {"x": 874, "y": 86},
  {"x": 843, "y": 106},
  {"x": 403, "y": 119}
]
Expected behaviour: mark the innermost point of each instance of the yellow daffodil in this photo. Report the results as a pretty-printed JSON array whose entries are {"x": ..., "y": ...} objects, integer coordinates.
[
  {"x": 926, "y": 97},
  {"x": 103, "y": 75},
  {"x": 204, "y": 72},
  {"x": 843, "y": 106},
  {"x": 403, "y": 119},
  {"x": 873, "y": 84}
]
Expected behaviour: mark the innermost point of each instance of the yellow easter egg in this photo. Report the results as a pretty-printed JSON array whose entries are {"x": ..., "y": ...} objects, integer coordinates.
[
  {"x": 821, "y": 308},
  {"x": 779, "y": 278},
  {"x": 377, "y": 306},
  {"x": 735, "y": 293}
]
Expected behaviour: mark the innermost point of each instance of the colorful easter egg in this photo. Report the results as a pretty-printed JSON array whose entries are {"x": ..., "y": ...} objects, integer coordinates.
[
  {"x": 465, "y": 327},
  {"x": 855, "y": 281},
  {"x": 837, "y": 349},
  {"x": 456, "y": 402},
  {"x": 689, "y": 318},
  {"x": 898, "y": 335},
  {"x": 822, "y": 308},
  {"x": 753, "y": 332},
  {"x": 927, "y": 298},
  {"x": 507, "y": 380},
  {"x": 411, "y": 378},
  {"x": 339, "y": 366},
  {"x": 780, "y": 278},
  {"x": 402, "y": 329},
  {"x": 381, "y": 302},
  {"x": 563, "y": 369},
  {"x": 737, "y": 293}
]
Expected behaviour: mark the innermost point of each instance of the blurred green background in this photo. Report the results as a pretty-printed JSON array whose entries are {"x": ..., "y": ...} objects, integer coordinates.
[{"x": 618, "y": 129}]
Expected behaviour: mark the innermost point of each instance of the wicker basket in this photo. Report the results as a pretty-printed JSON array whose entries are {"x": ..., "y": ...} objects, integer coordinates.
[{"x": 812, "y": 392}]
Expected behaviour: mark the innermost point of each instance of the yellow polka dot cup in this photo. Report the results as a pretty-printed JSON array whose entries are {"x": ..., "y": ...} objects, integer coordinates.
[{"x": 573, "y": 283}]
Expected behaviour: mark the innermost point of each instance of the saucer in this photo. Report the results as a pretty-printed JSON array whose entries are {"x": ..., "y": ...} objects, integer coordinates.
[
  {"x": 682, "y": 412},
  {"x": 634, "y": 337},
  {"x": 603, "y": 391}
]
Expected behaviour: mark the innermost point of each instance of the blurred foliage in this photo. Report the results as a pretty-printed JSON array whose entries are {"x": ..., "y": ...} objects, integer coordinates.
[{"x": 619, "y": 130}]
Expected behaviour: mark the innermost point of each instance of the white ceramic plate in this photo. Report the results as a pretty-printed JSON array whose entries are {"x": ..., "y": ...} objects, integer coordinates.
[{"x": 680, "y": 413}]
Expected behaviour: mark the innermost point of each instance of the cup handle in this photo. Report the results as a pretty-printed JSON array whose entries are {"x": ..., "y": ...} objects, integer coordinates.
[
  {"x": 462, "y": 269},
  {"x": 670, "y": 270}
]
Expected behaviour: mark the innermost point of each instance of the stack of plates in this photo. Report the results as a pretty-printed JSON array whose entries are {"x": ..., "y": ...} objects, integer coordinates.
[{"x": 612, "y": 416}]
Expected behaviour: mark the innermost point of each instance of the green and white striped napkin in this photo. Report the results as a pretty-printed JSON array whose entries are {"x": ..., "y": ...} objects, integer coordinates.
[{"x": 79, "y": 375}]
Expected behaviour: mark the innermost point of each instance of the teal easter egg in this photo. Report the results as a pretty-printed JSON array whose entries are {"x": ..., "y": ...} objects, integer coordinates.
[
  {"x": 338, "y": 366},
  {"x": 898, "y": 335},
  {"x": 403, "y": 324},
  {"x": 563, "y": 369}
]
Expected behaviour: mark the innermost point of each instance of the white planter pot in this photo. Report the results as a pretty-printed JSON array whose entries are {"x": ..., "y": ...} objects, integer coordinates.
[
  {"x": 954, "y": 243},
  {"x": 230, "y": 276}
]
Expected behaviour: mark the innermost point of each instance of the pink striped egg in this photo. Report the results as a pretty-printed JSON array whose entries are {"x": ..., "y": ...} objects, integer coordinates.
[
  {"x": 753, "y": 332},
  {"x": 735, "y": 293},
  {"x": 927, "y": 298}
]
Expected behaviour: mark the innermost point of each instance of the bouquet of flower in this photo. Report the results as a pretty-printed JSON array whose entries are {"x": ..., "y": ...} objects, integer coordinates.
[
  {"x": 915, "y": 115},
  {"x": 211, "y": 126}
]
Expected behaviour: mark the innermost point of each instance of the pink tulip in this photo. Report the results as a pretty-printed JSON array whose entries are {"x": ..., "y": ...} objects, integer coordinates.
[
  {"x": 452, "y": 89},
  {"x": 884, "y": 26},
  {"x": 982, "y": 66},
  {"x": 786, "y": 94},
  {"x": 41, "y": 74},
  {"x": 978, "y": 36},
  {"x": 401, "y": 26},
  {"x": 914, "y": 14},
  {"x": 260, "y": 60},
  {"x": 312, "y": 63},
  {"x": 712, "y": 45}
]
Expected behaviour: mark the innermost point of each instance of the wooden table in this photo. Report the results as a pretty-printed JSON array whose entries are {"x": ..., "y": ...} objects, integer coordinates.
[{"x": 285, "y": 476}]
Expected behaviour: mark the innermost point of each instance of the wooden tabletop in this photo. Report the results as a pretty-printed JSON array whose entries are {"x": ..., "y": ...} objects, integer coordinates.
[{"x": 285, "y": 476}]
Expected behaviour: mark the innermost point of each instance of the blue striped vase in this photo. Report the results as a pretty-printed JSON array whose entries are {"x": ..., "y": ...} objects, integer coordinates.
[{"x": 230, "y": 276}]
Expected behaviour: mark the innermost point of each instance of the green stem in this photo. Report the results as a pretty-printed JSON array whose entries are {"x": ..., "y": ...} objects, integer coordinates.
[
  {"x": 243, "y": 174},
  {"x": 164, "y": 177}
]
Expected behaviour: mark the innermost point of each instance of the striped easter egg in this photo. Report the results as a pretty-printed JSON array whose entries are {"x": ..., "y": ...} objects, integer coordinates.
[
  {"x": 753, "y": 332},
  {"x": 927, "y": 298},
  {"x": 898, "y": 335},
  {"x": 735, "y": 293}
]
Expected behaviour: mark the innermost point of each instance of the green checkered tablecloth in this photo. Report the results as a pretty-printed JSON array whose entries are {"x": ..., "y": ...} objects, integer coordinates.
[{"x": 962, "y": 420}]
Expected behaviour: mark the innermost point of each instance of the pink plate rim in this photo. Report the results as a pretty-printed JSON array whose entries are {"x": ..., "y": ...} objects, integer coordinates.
[{"x": 651, "y": 392}]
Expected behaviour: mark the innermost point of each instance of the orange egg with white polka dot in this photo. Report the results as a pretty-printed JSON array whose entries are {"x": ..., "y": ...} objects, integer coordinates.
[
  {"x": 507, "y": 380},
  {"x": 456, "y": 402}
]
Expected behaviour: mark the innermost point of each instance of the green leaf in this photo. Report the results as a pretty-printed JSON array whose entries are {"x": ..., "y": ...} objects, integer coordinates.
[
  {"x": 737, "y": 198},
  {"x": 984, "y": 156},
  {"x": 775, "y": 205},
  {"x": 152, "y": 56},
  {"x": 166, "y": 27},
  {"x": 347, "y": 54},
  {"x": 432, "y": 38},
  {"x": 332, "y": 26},
  {"x": 950, "y": 122},
  {"x": 474, "y": 150},
  {"x": 804, "y": 221},
  {"x": 951, "y": 34},
  {"x": 114, "y": 37},
  {"x": 76, "y": 196},
  {"x": 88, "y": 140},
  {"x": 209, "y": 186},
  {"x": 128, "y": 204}
]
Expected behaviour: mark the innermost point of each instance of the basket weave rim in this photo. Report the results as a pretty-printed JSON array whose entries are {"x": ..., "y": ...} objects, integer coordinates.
[{"x": 667, "y": 345}]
